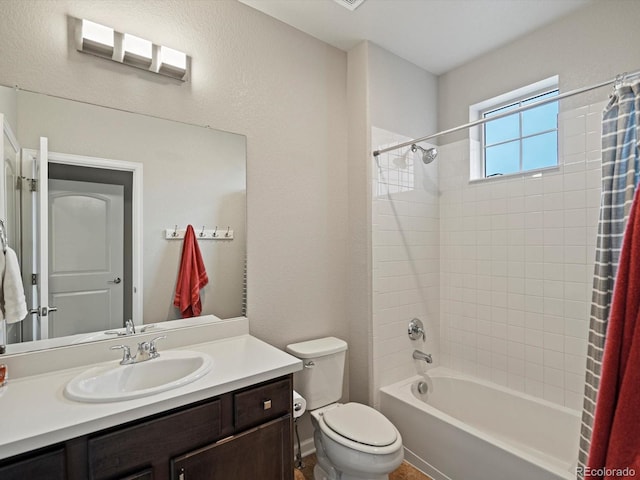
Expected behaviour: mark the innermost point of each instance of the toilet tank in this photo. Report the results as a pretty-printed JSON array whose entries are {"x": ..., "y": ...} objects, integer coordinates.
[{"x": 320, "y": 381}]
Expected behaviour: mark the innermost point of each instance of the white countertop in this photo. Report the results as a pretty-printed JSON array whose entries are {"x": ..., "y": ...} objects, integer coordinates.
[{"x": 35, "y": 413}]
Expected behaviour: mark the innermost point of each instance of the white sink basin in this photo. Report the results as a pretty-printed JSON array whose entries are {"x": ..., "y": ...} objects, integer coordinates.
[{"x": 115, "y": 382}]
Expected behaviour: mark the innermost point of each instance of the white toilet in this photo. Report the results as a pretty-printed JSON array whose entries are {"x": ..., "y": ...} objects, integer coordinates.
[{"x": 353, "y": 441}]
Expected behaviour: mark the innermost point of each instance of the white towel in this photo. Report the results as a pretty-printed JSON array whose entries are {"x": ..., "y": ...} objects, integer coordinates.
[{"x": 13, "y": 306}]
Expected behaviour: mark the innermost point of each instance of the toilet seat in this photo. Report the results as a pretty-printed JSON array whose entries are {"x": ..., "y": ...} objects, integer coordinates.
[
  {"x": 361, "y": 424},
  {"x": 361, "y": 446}
]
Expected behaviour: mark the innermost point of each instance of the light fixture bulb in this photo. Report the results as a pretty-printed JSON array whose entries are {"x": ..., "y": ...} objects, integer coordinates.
[
  {"x": 137, "y": 46},
  {"x": 97, "y": 33},
  {"x": 173, "y": 58}
]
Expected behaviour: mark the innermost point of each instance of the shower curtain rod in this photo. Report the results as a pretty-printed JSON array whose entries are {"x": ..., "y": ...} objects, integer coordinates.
[{"x": 619, "y": 78}]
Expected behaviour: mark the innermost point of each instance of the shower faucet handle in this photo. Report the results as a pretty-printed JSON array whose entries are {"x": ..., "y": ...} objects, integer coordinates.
[{"x": 416, "y": 329}]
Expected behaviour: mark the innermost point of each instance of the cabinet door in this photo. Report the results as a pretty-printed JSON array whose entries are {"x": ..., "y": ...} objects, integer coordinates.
[
  {"x": 153, "y": 442},
  {"x": 263, "y": 452},
  {"x": 46, "y": 466}
]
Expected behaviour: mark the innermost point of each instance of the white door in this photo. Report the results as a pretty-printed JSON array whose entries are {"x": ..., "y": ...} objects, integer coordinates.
[{"x": 86, "y": 256}]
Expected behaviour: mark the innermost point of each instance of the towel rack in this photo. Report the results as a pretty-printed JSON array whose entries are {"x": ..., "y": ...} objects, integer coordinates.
[
  {"x": 176, "y": 233},
  {"x": 3, "y": 236}
]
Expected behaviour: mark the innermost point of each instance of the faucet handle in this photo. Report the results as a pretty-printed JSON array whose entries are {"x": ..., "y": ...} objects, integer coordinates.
[
  {"x": 153, "y": 350},
  {"x": 126, "y": 353},
  {"x": 416, "y": 329}
]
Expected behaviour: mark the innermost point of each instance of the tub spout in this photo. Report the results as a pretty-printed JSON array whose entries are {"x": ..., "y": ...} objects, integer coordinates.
[{"x": 418, "y": 355}]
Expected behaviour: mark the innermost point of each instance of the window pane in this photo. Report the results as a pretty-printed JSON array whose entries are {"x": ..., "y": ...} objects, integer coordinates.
[
  {"x": 539, "y": 119},
  {"x": 504, "y": 158},
  {"x": 540, "y": 151},
  {"x": 502, "y": 129}
]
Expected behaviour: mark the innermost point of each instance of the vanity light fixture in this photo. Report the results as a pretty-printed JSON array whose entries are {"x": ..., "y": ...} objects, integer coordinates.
[{"x": 105, "y": 42}]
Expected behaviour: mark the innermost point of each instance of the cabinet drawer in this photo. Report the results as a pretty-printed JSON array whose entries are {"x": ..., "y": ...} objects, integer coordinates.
[
  {"x": 261, "y": 404},
  {"x": 136, "y": 447}
]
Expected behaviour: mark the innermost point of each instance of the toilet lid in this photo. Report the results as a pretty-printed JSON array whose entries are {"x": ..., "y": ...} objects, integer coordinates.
[{"x": 361, "y": 424}]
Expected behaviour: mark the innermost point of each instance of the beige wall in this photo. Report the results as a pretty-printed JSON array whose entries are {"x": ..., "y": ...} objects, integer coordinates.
[
  {"x": 359, "y": 286},
  {"x": 587, "y": 47},
  {"x": 284, "y": 90},
  {"x": 403, "y": 96}
]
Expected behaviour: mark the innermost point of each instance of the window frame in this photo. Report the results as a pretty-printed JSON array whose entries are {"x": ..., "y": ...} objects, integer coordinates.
[
  {"x": 519, "y": 102},
  {"x": 477, "y": 136}
]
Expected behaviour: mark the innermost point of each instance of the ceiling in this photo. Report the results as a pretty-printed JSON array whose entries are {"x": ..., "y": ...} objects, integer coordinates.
[{"x": 437, "y": 35}]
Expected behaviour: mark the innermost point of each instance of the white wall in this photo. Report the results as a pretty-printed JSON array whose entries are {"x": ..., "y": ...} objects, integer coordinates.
[
  {"x": 405, "y": 230},
  {"x": 284, "y": 90},
  {"x": 589, "y": 46},
  {"x": 517, "y": 254},
  {"x": 406, "y": 260},
  {"x": 517, "y": 259}
]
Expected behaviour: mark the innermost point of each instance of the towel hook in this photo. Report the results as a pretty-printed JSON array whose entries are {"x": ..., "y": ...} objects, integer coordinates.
[
  {"x": 227, "y": 234},
  {"x": 175, "y": 231},
  {"x": 201, "y": 234},
  {"x": 215, "y": 232}
]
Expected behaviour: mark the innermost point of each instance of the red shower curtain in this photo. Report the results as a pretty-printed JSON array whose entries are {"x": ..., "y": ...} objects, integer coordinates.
[{"x": 615, "y": 443}]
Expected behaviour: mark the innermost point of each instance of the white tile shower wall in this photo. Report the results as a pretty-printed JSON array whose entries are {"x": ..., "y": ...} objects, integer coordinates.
[
  {"x": 406, "y": 259},
  {"x": 517, "y": 260}
]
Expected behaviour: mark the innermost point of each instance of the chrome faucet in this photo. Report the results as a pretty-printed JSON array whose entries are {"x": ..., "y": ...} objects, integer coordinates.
[
  {"x": 146, "y": 351},
  {"x": 418, "y": 355},
  {"x": 130, "y": 328}
]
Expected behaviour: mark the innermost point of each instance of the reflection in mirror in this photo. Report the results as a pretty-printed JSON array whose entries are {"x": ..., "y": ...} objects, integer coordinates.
[{"x": 116, "y": 181}]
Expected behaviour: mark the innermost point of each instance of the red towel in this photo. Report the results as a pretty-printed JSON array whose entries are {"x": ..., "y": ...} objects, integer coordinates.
[
  {"x": 615, "y": 443},
  {"x": 191, "y": 277}
]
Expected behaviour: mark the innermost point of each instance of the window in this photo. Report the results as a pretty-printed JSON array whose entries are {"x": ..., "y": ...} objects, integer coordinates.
[{"x": 522, "y": 141}]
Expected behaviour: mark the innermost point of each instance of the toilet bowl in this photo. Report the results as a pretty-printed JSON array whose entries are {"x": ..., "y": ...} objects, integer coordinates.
[{"x": 353, "y": 441}]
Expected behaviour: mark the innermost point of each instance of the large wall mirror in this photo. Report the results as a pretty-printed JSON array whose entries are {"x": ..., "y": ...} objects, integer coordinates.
[{"x": 115, "y": 182}]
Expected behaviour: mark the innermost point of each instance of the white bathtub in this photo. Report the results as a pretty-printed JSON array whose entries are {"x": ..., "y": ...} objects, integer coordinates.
[{"x": 465, "y": 428}]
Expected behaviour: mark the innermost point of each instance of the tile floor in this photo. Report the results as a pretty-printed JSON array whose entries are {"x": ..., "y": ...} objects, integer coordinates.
[{"x": 404, "y": 472}]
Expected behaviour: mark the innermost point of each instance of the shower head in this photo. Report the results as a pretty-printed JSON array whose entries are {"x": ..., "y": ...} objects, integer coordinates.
[{"x": 428, "y": 154}]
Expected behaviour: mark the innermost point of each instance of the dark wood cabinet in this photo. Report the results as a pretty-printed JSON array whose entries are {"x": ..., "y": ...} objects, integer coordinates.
[
  {"x": 257, "y": 453},
  {"x": 241, "y": 435},
  {"x": 143, "y": 475},
  {"x": 151, "y": 443},
  {"x": 49, "y": 465}
]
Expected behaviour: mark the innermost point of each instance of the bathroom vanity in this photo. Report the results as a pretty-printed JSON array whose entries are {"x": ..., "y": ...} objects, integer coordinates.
[{"x": 233, "y": 423}]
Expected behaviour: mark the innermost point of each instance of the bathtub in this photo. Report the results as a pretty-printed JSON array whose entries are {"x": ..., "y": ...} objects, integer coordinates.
[{"x": 465, "y": 428}]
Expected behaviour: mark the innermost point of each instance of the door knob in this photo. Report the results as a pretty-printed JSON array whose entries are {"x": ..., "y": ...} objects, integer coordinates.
[
  {"x": 117, "y": 280},
  {"x": 42, "y": 312}
]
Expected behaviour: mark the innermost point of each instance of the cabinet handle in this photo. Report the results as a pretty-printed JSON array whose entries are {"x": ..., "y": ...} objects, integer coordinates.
[{"x": 266, "y": 405}]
